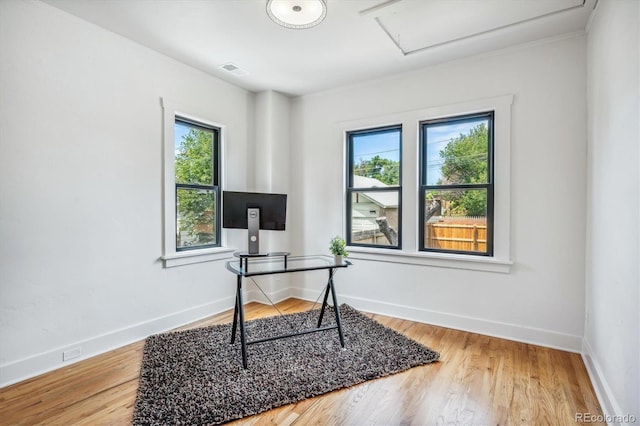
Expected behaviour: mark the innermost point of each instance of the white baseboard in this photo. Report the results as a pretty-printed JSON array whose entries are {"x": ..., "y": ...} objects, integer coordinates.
[
  {"x": 607, "y": 401},
  {"x": 35, "y": 365},
  {"x": 275, "y": 296},
  {"x": 535, "y": 336},
  {"x": 41, "y": 363}
]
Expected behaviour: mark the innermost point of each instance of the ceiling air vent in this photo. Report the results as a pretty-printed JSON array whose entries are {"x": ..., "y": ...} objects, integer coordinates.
[{"x": 233, "y": 69}]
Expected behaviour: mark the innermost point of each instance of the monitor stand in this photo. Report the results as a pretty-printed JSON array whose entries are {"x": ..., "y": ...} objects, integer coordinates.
[{"x": 253, "y": 226}]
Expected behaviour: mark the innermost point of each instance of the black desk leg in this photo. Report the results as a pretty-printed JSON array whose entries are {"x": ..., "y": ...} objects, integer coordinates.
[
  {"x": 326, "y": 296},
  {"x": 235, "y": 321},
  {"x": 243, "y": 337},
  {"x": 336, "y": 308}
]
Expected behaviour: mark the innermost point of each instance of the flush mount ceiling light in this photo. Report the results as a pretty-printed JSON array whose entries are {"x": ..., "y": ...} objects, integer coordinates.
[{"x": 297, "y": 14}]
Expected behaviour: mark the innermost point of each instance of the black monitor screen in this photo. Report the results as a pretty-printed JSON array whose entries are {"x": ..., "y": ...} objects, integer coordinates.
[{"x": 273, "y": 209}]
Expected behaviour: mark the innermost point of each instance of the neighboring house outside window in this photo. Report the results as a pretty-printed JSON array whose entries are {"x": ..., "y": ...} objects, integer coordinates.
[
  {"x": 374, "y": 187},
  {"x": 456, "y": 184}
]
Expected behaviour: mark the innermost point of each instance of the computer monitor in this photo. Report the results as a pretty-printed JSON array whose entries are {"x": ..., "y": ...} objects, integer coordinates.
[{"x": 254, "y": 211}]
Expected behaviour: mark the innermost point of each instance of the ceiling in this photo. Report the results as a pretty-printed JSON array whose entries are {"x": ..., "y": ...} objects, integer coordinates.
[{"x": 358, "y": 40}]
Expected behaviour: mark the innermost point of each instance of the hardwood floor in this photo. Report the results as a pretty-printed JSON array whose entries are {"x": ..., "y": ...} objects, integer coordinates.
[{"x": 479, "y": 380}]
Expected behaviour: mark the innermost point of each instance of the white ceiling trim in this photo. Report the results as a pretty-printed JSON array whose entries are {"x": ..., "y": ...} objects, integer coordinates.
[{"x": 379, "y": 9}]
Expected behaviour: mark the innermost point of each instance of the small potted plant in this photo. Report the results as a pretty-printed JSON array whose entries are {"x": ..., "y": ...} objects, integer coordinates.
[{"x": 338, "y": 247}]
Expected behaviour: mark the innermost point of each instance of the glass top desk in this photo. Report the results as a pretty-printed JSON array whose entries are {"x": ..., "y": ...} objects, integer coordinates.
[{"x": 282, "y": 263}]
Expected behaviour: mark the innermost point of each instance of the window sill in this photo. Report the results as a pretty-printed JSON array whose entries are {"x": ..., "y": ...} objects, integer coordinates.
[
  {"x": 196, "y": 256},
  {"x": 456, "y": 261}
]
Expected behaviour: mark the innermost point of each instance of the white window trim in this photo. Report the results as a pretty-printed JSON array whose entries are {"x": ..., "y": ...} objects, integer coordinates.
[
  {"x": 501, "y": 259},
  {"x": 170, "y": 256}
]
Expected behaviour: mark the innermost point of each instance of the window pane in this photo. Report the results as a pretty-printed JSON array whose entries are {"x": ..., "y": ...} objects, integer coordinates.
[
  {"x": 374, "y": 218},
  {"x": 194, "y": 154},
  {"x": 456, "y": 220},
  {"x": 376, "y": 158},
  {"x": 456, "y": 152},
  {"x": 195, "y": 210}
]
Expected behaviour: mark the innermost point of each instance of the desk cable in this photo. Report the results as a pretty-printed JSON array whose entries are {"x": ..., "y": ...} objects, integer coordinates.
[{"x": 279, "y": 311}]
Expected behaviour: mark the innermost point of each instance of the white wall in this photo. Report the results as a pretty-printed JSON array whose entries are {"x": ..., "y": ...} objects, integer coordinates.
[
  {"x": 612, "y": 329},
  {"x": 270, "y": 148},
  {"x": 542, "y": 298},
  {"x": 81, "y": 189},
  {"x": 81, "y": 192}
]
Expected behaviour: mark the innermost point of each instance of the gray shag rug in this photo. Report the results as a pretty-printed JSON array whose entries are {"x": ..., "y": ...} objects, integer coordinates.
[{"x": 196, "y": 377}]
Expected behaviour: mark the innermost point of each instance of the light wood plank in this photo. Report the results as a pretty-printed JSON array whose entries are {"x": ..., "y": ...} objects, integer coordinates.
[{"x": 479, "y": 380}]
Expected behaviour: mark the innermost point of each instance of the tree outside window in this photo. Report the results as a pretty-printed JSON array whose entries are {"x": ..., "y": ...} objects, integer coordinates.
[
  {"x": 457, "y": 187},
  {"x": 197, "y": 191}
]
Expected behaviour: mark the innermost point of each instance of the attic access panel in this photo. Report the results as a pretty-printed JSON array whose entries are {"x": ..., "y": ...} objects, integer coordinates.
[{"x": 417, "y": 25}]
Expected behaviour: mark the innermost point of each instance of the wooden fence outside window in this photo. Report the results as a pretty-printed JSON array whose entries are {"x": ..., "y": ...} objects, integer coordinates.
[{"x": 457, "y": 233}]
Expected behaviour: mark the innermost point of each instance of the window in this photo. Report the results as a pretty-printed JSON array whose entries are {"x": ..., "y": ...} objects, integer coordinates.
[
  {"x": 424, "y": 195},
  {"x": 456, "y": 185},
  {"x": 374, "y": 187},
  {"x": 193, "y": 154},
  {"x": 197, "y": 191}
]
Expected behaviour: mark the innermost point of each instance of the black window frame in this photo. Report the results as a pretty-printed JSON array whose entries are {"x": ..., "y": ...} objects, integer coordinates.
[
  {"x": 489, "y": 185},
  {"x": 351, "y": 189},
  {"x": 214, "y": 187}
]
